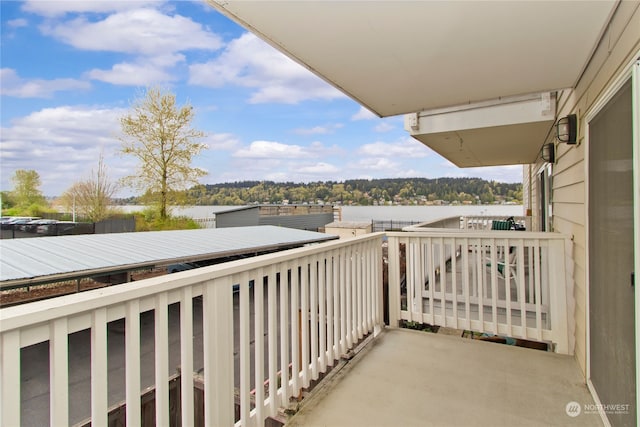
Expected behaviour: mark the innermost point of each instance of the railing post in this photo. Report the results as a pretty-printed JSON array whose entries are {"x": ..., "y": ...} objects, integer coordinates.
[
  {"x": 217, "y": 331},
  {"x": 394, "y": 280},
  {"x": 558, "y": 296},
  {"x": 10, "y": 380},
  {"x": 99, "y": 370}
]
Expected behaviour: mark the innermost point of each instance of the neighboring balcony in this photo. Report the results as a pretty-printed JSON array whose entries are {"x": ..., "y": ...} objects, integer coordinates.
[{"x": 256, "y": 335}]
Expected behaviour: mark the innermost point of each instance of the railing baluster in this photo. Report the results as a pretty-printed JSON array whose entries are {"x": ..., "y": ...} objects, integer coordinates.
[
  {"x": 507, "y": 290},
  {"x": 480, "y": 255},
  {"x": 466, "y": 291},
  {"x": 494, "y": 280},
  {"x": 331, "y": 303},
  {"x": 295, "y": 328},
  {"x": 273, "y": 341},
  {"x": 343, "y": 301},
  {"x": 538, "y": 300},
  {"x": 425, "y": 257},
  {"x": 284, "y": 333},
  {"x": 454, "y": 281},
  {"x": 258, "y": 338},
  {"x": 161, "y": 320},
  {"x": 521, "y": 288},
  {"x": 354, "y": 295},
  {"x": 99, "y": 389},
  {"x": 322, "y": 317},
  {"x": 393, "y": 259},
  {"x": 245, "y": 348},
  {"x": 313, "y": 304},
  {"x": 132, "y": 362},
  {"x": 358, "y": 294},
  {"x": 348, "y": 287},
  {"x": 443, "y": 283},
  {"x": 186, "y": 356},
  {"x": 304, "y": 296}
]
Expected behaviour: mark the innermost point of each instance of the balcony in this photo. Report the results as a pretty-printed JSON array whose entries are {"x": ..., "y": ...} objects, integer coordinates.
[{"x": 256, "y": 335}]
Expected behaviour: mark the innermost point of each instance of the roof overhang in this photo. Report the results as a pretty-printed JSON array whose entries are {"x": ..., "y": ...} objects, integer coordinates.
[
  {"x": 399, "y": 57},
  {"x": 501, "y": 132}
]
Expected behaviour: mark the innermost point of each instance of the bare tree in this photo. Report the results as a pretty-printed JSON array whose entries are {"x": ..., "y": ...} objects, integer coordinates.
[
  {"x": 92, "y": 197},
  {"x": 159, "y": 134}
]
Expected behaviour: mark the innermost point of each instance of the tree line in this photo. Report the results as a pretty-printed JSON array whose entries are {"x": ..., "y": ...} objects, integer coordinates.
[{"x": 360, "y": 192}]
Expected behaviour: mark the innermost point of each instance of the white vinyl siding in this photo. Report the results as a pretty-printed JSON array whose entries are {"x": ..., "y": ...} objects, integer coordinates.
[{"x": 620, "y": 44}]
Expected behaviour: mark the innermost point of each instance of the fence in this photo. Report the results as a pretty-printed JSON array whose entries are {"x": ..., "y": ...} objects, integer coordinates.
[
  {"x": 390, "y": 225},
  {"x": 67, "y": 228}
]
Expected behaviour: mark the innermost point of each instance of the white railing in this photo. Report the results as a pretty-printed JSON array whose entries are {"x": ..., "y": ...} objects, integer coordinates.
[
  {"x": 479, "y": 222},
  {"x": 509, "y": 283},
  {"x": 484, "y": 222},
  {"x": 318, "y": 302}
]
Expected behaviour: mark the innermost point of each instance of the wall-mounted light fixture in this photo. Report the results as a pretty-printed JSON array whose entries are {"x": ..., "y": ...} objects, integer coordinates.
[
  {"x": 567, "y": 129},
  {"x": 549, "y": 152}
]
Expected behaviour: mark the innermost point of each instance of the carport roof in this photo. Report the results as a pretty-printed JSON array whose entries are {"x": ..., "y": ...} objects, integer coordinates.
[{"x": 46, "y": 259}]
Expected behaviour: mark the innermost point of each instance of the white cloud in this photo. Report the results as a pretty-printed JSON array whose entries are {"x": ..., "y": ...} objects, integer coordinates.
[
  {"x": 249, "y": 62},
  {"x": 128, "y": 74},
  {"x": 271, "y": 150},
  {"x": 53, "y": 8},
  {"x": 404, "y": 148},
  {"x": 15, "y": 86},
  {"x": 319, "y": 130},
  {"x": 61, "y": 144},
  {"x": 363, "y": 114},
  {"x": 153, "y": 38},
  {"x": 140, "y": 31}
]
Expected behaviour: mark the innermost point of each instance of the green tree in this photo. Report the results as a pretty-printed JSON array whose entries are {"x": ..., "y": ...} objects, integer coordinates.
[
  {"x": 92, "y": 197},
  {"x": 26, "y": 190},
  {"x": 159, "y": 134}
]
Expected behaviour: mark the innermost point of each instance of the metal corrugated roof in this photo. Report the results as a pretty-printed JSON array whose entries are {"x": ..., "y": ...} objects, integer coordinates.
[{"x": 62, "y": 257}]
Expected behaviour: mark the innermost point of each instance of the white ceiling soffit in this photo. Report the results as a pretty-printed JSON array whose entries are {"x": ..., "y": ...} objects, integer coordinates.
[
  {"x": 502, "y": 132},
  {"x": 397, "y": 57}
]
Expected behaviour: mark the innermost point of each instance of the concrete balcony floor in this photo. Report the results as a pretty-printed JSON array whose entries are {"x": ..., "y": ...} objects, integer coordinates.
[{"x": 411, "y": 378}]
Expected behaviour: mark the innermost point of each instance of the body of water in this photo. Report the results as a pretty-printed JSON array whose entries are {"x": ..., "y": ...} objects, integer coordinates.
[{"x": 381, "y": 213}]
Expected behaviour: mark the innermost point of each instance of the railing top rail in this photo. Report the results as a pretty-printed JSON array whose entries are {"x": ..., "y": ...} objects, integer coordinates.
[
  {"x": 25, "y": 315},
  {"x": 482, "y": 234},
  {"x": 436, "y": 223}
]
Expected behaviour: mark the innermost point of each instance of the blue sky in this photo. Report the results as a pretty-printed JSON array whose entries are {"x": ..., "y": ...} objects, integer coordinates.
[{"x": 70, "y": 69}]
